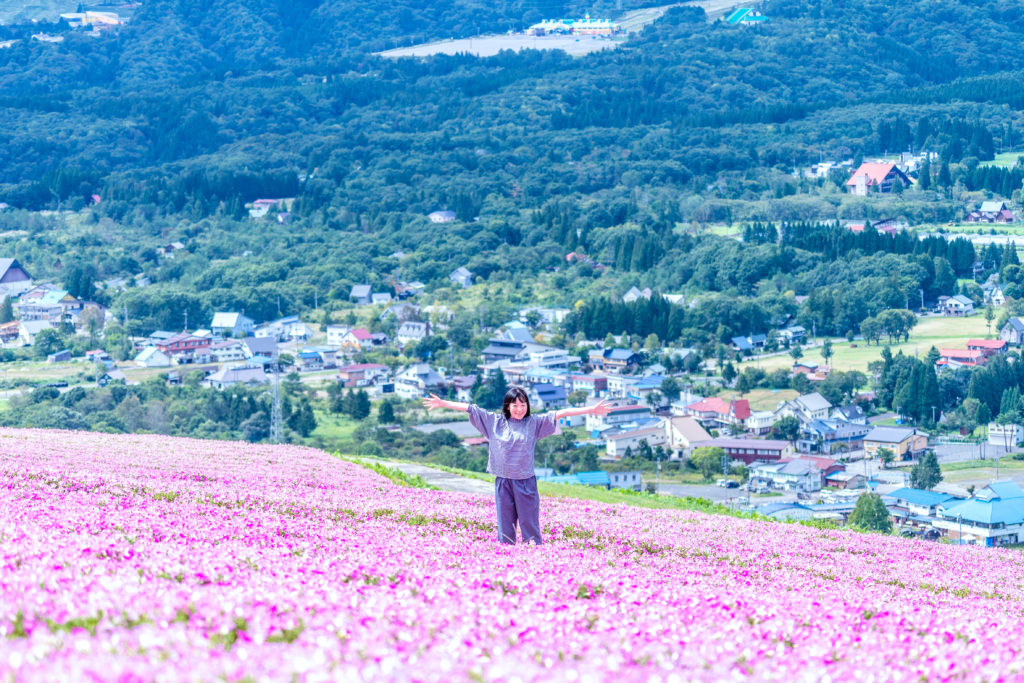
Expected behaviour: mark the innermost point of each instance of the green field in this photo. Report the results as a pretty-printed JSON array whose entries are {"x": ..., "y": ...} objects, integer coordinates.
[
  {"x": 1004, "y": 160},
  {"x": 933, "y": 331}
]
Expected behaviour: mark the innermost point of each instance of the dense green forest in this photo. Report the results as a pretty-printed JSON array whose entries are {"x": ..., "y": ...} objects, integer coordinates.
[{"x": 181, "y": 117}]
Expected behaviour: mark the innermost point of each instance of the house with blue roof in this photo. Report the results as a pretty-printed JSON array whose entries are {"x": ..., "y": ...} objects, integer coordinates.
[
  {"x": 547, "y": 396},
  {"x": 831, "y": 436},
  {"x": 994, "y": 516},
  {"x": 1013, "y": 331},
  {"x": 919, "y": 502},
  {"x": 614, "y": 360}
]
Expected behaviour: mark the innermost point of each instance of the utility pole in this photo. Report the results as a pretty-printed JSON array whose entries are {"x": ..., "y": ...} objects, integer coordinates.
[{"x": 276, "y": 427}]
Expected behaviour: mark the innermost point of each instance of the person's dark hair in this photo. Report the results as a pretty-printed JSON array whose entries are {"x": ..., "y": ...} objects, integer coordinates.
[{"x": 511, "y": 396}]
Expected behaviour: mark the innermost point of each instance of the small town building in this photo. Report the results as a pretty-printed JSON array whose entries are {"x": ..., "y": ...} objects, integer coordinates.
[
  {"x": 632, "y": 480},
  {"x": 232, "y": 325},
  {"x": 229, "y": 377},
  {"x": 681, "y": 433},
  {"x": 994, "y": 516},
  {"x": 958, "y": 306},
  {"x": 1005, "y": 435},
  {"x": 1013, "y": 331},
  {"x": 905, "y": 442},
  {"x": 152, "y": 357},
  {"x": 363, "y": 374},
  {"x": 462, "y": 277},
  {"x": 616, "y": 444},
  {"x": 752, "y": 450},
  {"x": 876, "y": 177}
]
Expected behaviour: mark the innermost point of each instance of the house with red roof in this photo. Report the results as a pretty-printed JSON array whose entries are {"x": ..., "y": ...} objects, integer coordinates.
[
  {"x": 876, "y": 177},
  {"x": 717, "y": 412},
  {"x": 989, "y": 347},
  {"x": 961, "y": 358},
  {"x": 359, "y": 338},
  {"x": 362, "y": 374}
]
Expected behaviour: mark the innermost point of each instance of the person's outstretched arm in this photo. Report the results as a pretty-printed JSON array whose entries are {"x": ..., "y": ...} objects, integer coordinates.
[
  {"x": 599, "y": 408},
  {"x": 435, "y": 401}
]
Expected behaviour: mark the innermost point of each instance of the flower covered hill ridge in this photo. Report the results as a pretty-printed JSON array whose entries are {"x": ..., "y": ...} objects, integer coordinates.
[{"x": 151, "y": 558}]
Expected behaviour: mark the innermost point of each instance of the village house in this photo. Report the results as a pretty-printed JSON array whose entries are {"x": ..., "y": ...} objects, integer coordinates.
[
  {"x": 614, "y": 360},
  {"x": 335, "y": 333},
  {"x": 831, "y": 436},
  {"x": 260, "y": 347},
  {"x": 55, "y": 305},
  {"x": 1005, "y": 435},
  {"x": 547, "y": 397},
  {"x": 618, "y": 415},
  {"x": 232, "y": 325},
  {"x": 852, "y": 413},
  {"x": 991, "y": 212},
  {"x": 916, "y": 507},
  {"x": 846, "y": 480},
  {"x": 993, "y": 517},
  {"x": 715, "y": 412},
  {"x": 760, "y": 422},
  {"x": 152, "y": 357},
  {"x": 791, "y": 475},
  {"x": 227, "y": 351},
  {"x": 683, "y": 434},
  {"x": 411, "y": 332},
  {"x": 14, "y": 279},
  {"x": 9, "y": 331},
  {"x": 988, "y": 347},
  {"x": 594, "y": 385},
  {"x": 616, "y": 444},
  {"x": 462, "y": 277},
  {"x": 876, "y": 177},
  {"x": 633, "y": 294},
  {"x": 317, "y": 358},
  {"x": 441, "y": 216},
  {"x": 261, "y": 207},
  {"x": 960, "y": 358},
  {"x": 905, "y": 442},
  {"x": 417, "y": 380},
  {"x": 186, "y": 348},
  {"x": 806, "y": 408},
  {"x": 632, "y": 480},
  {"x": 958, "y": 306},
  {"x": 363, "y": 374},
  {"x": 357, "y": 339},
  {"x": 229, "y": 377},
  {"x": 28, "y": 329},
  {"x": 1013, "y": 331},
  {"x": 752, "y": 450}
]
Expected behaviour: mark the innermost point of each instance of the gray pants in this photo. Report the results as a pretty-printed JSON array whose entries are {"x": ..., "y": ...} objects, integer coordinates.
[{"x": 517, "y": 499}]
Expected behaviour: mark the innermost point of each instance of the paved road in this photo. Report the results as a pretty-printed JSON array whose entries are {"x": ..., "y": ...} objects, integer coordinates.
[{"x": 439, "y": 478}]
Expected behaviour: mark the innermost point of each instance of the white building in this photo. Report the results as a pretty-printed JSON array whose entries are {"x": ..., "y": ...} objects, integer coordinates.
[
  {"x": 1007, "y": 436},
  {"x": 335, "y": 333},
  {"x": 152, "y": 357},
  {"x": 616, "y": 444},
  {"x": 232, "y": 325}
]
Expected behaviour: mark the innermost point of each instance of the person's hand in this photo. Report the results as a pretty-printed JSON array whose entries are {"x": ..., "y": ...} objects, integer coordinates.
[
  {"x": 434, "y": 401},
  {"x": 600, "y": 408}
]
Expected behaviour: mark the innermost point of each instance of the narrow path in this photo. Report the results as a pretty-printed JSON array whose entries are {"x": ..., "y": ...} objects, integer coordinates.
[{"x": 441, "y": 479}]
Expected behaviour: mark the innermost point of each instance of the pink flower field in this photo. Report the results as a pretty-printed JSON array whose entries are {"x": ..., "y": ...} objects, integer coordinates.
[{"x": 137, "y": 558}]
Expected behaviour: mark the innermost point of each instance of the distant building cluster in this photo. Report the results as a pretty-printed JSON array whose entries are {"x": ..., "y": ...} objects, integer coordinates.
[{"x": 580, "y": 27}]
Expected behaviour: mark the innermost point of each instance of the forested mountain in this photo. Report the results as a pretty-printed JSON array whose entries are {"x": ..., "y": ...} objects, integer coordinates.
[{"x": 190, "y": 111}]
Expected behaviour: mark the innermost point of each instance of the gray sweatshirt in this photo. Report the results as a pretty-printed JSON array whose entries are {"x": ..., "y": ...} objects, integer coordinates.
[{"x": 510, "y": 442}]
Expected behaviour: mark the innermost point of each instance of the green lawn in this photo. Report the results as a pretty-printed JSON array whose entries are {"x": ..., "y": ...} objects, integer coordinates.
[
  {"x": 1004, "y": 160},
  {"x": 333, "y": 428},
  {"x": 767, "y": 399},
  {"x": 932, "y": 331}
]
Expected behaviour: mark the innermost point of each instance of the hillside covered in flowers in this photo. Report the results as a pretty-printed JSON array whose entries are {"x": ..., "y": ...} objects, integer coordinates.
[{"x": 148, "y": 558}]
